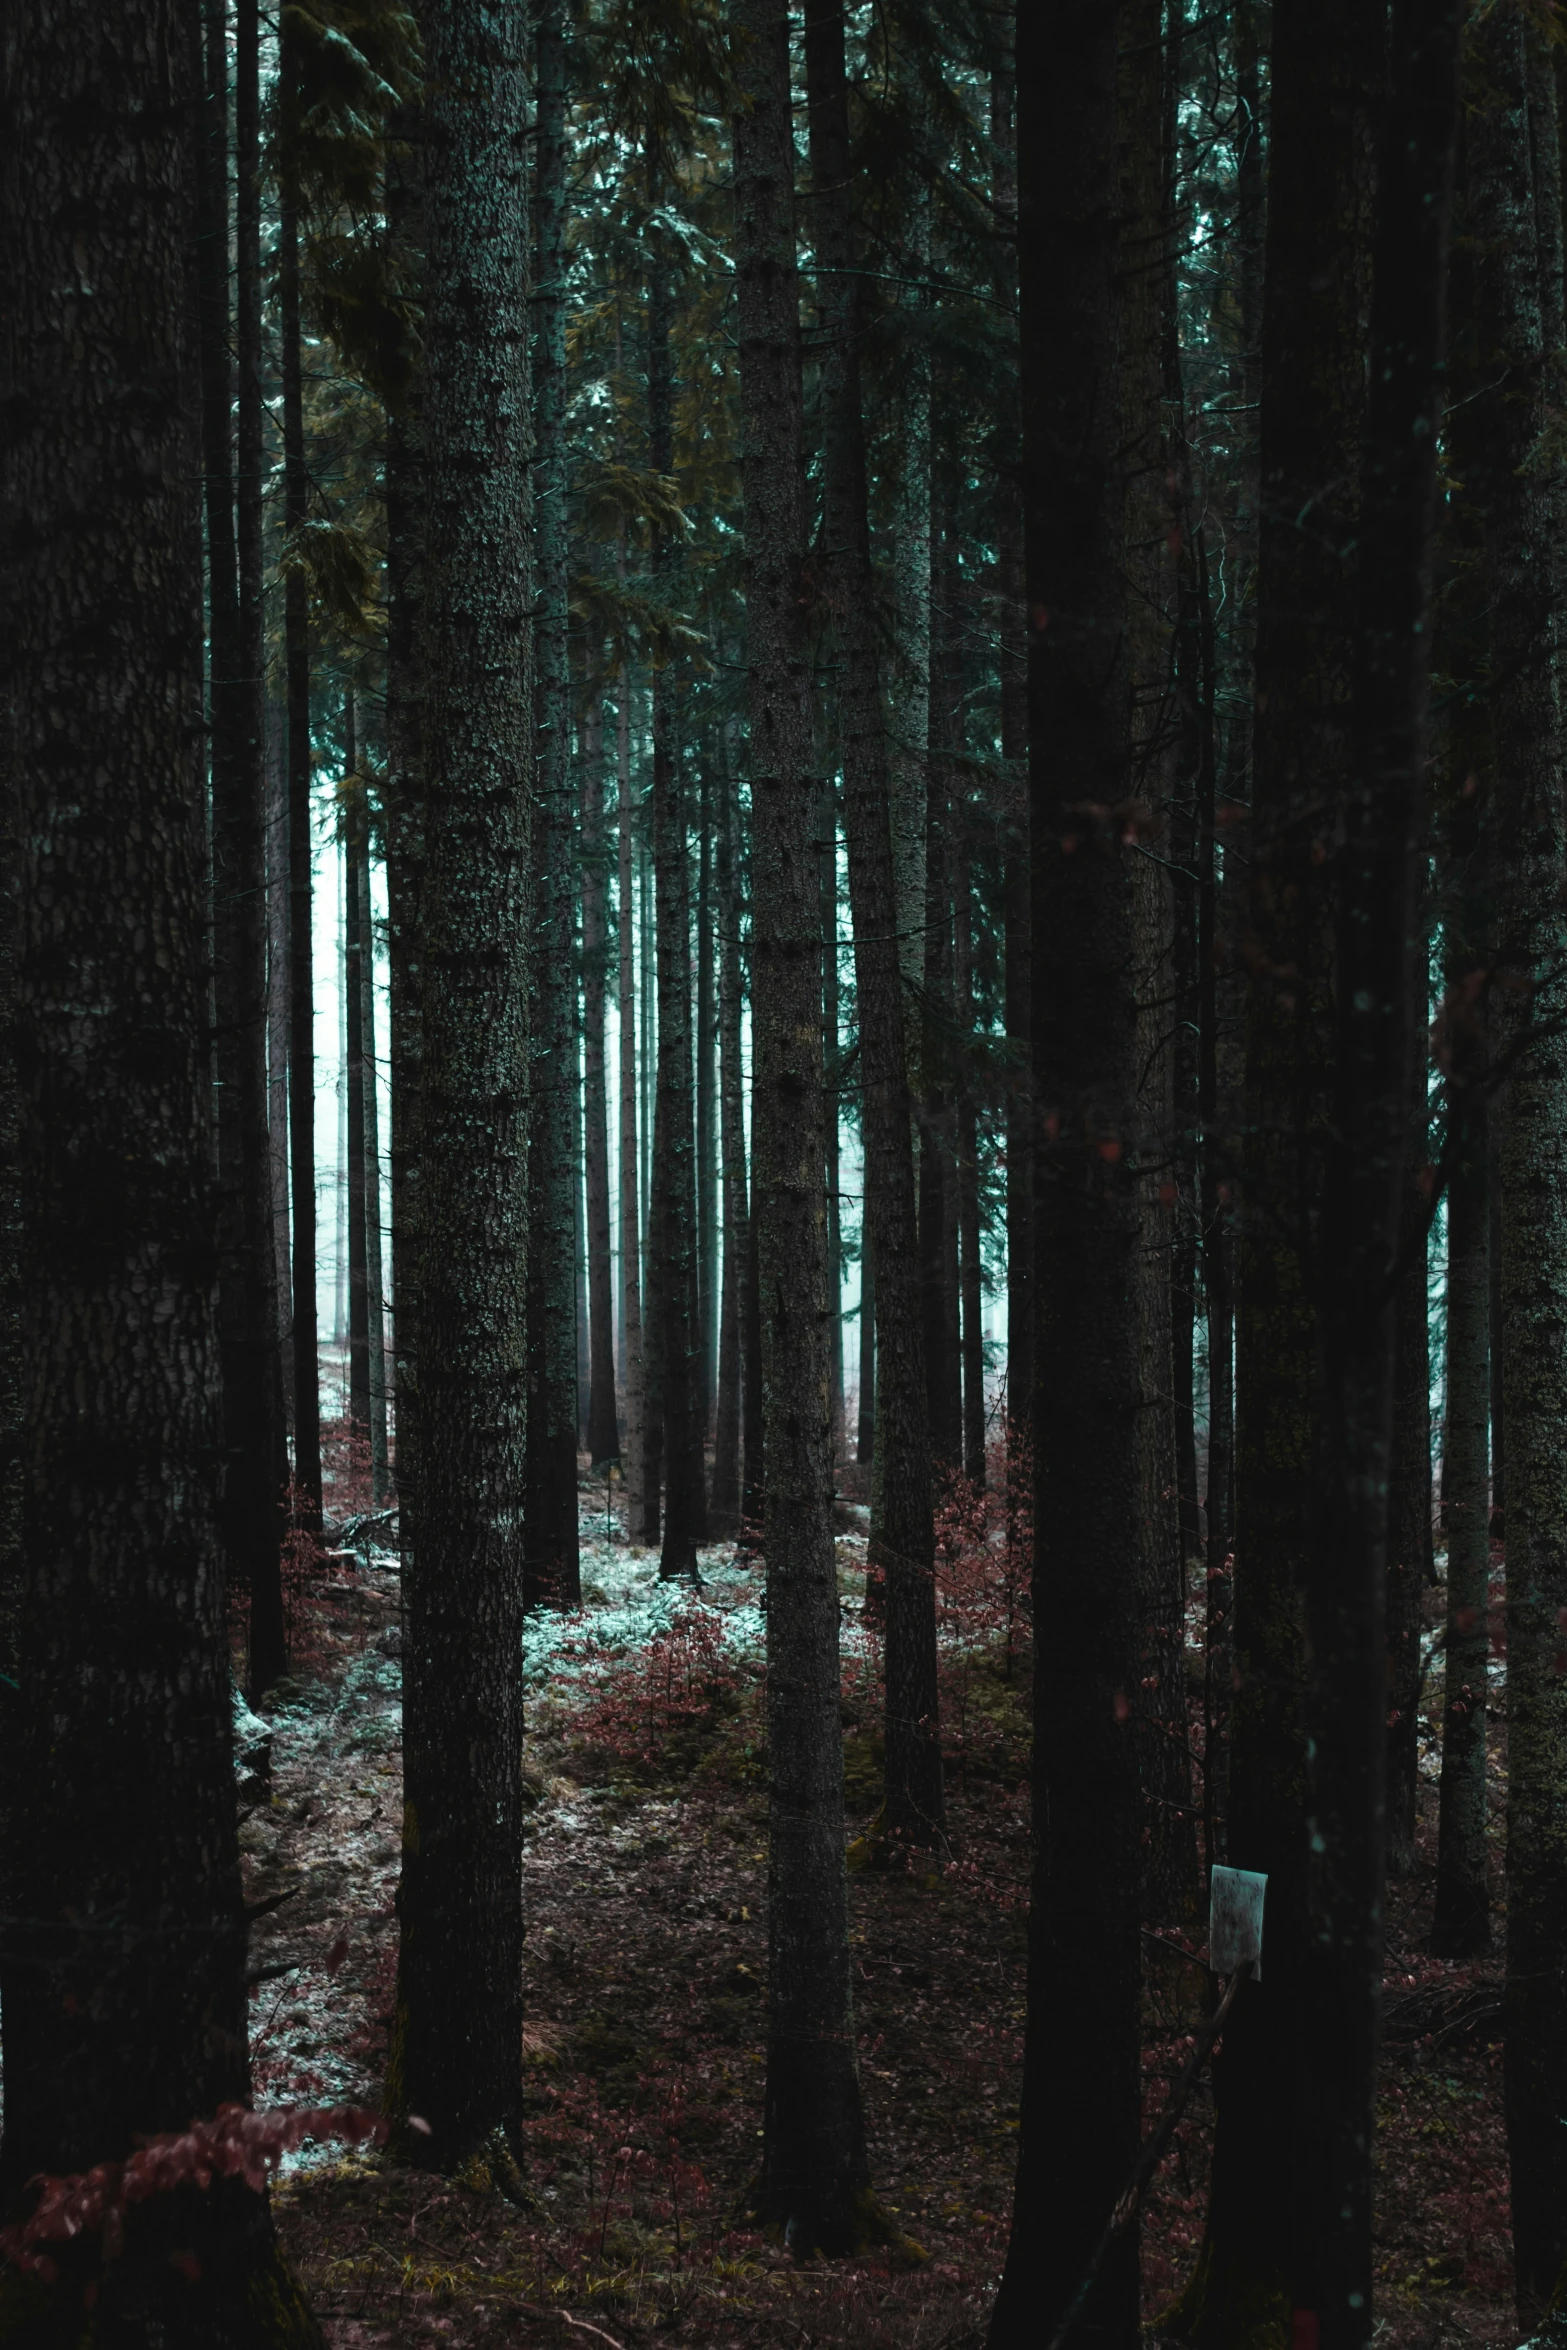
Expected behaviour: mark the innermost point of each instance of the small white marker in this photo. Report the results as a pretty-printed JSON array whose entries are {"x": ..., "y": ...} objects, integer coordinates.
[{"x": 1235, "y": 1921}]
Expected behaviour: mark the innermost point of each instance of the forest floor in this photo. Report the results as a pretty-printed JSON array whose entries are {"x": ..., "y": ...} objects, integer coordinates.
[{"x": 646, "y": 1888}]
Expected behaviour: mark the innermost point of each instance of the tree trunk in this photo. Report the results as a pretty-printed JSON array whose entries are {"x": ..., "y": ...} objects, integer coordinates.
[
  {"x": 1312, "y": 390},
  {"x": 1410, "y": 1564},
  {"x": 124, "y": 1994},
  {"x": 865, "y": 1418},
  {"x": 706, "y": 1113},
  {"x": 969, "y": 1226},
  {"x": 830, "y": 1025},
  {"x": 934, "y": 1109},
  {"x": 815, "y": 2171},
  {"x": 551, "y": 1560},
  {"x": 726, "y": 1451},
  {"x": 603, "y": 1433},
  {"x": 902, "y": 1541},
  {"x": 1514, "y": 216},
  {"x": 375, "y": 1277},
  {"x": 254, "y": 1465},
  {"x": 1381, "y": 984},
  {"x": 630, "y": 1159},
  {"x": 456, "y": 2057},
  {"x": 301, "y": 1030},
  {"x": 1461, "y": 1923},
  {"x": 673, "y": 1249},
  {"x": 354, "y": 836}
]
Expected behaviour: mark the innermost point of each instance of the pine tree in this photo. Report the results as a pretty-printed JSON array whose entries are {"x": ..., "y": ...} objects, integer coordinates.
[
  {"x": 457, "y": 2040},
  {"x": 125, "y": 1997}
]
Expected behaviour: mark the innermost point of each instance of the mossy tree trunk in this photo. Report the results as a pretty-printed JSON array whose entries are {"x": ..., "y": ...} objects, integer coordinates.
[
  {"x": 123, "y": 1972},
  {"x": 457, "y": 2044}
]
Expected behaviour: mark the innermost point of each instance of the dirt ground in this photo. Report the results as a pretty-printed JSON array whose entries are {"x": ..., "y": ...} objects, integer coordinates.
[{"x": 646, "y": 1871}]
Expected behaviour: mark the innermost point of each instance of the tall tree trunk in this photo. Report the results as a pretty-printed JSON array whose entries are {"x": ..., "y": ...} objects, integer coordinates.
[
  {"x": 375, "y": 1277},
  {"x": 603, "y": 1433},
  {"x": 1461, "y": 1922},
  {"x": 630, "y": 1156},
  {"x": 1514, "y": 216},
  {"x": 1080, "y": 2105},
  {"x": 706, "y": 1111},
  {"x": 935, "y": 1016},
  {"x": 551, "y": 1559},
  {"x": 124, "y": 1995},
  {"x": 1410, "y": 1561},
  {"x": 865, "y": 1429},
  {"x": 902, "y": 1541},
  {"x": 1312, "y": 391},
  {"x": 456, "y": 2057},
  {"x": 302, "y": 1014},
  {"x": 726, "y": 1450},
  {"x": 673, "y": 1220},
  {"x": 830, "y": 1024},
  {"x": 969, "y": 1223},
  {"x": 815, "y": 2171},
  {"x": 277, "y": 1058},
  {"x": 1381, "y": 984},
  {"x": 354, "y": 836},
  {"x": 254, "y": 1468}
]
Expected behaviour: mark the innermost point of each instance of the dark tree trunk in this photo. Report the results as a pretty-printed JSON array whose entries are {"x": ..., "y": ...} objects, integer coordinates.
[
  {"x": 254, "y": 1465},
  {"x": 1461, "y": 1922},
  {"x": 603, "y": 1431},
  {"x": 1080, "y": 2099},
  {"x": 1312, "y": 389},
  {"x": 1410, "y": 1563},
  {"x": 123, "y": 1969},
  {"x": 1514, "y": 217},
  {"x": 356, "y": 858},
  {"x": 673, "y": 1222},
  {"x": 551, "y": 1570},
  {"x": 902, "y": 1540},
  {"x": 301, "y": 1033},
  {"x": 456, "y": 2057},
  {"x": 937, "y": 1236},
  {"x": 706, "y": 1110},
  {"x": 375, "y": 1271},
  {"x": 865, "y": 1429},
  {"x": 969, "y": 1225},
  {"x": 726, "y": 1450},
  {"x": 815, "y": 2172},
  {"x": 1380, "y": 980},
  {"x": 830, "y": 1025},
  {"x": 630, "y": 1152}
]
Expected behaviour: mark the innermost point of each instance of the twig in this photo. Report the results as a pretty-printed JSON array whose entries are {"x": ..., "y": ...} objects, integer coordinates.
[
  {"x": 1151, "y": 2156},
  {"x": 533, "y": 2309}
]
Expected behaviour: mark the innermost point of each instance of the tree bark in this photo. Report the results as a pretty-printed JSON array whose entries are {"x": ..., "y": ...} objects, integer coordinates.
[
  {"x": 1461, "y": 1922},
  {"x": 301, "y": 1038},
  {"x": 816, "y": 2174},
  {"x": 1081, "y": 2095},
  {"x": 456, "y": 2058},
  {"x": 902, "y": 1542},
  {"x": 673, "y": 1216},
  {"x": 630, "y": 1159},
  {"x": 1514, "y": 217},
  {"x": 1312, "y": 392},
  {"x": 254, "y": 1464},
  {"x": 375, "y": 1273},
  {"x": 1410, "y": 1561},
  {"x": 725, "y": 1512},
  {"x": 123, "y": 1967},
  {"x": 552, "y": 1566},
  {"x": 354, "y": 836},
  {"x": 603, "y": 1432},
  {"x": 706, "y": 1113}
]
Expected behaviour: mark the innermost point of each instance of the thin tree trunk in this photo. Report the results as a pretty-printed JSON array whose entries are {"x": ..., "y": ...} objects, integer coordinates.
[
  {"x": 937, "y": 1226},
  {"x": 1461, "y": 1922},
  {"x": 375, "y": 1277},
  {"x": 706, "y": 1114},
  {"x": 1410, "y": 1563},
  {"x": 254, "y": 1466},
  {"x": 725, "y": 1512},
  {"x": 829, "y": 865},
  {"x": 815, "y": 2170},
  {"x": 603, "y": 1433},
  {"x": 902, "y": 1541},
  {"x": 356, "y": 856},
  {"x": 124, "y": 1994},
  {"x": 278, "y": 960},
  {"x": 552, "y": 1567},
  {"x": 630, "y": 1225},
  {"x": 1080, "y": 2094},
  {"x": 674, "y": 1213},
  {"x": 456, "y": 2058},
  {"x": 865, "y": 1431}
]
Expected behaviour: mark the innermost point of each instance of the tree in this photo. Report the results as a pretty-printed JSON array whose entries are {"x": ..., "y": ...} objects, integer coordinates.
[
  {"x": 552, "y": 1569},
  {"x": 902, "y": 1547},
  {"x": 125, "y": 1997},
  {"x": 816, "y": 2175},
  {"x": 457, "y": 2046},
  {"x": 603, "y": 1433}
]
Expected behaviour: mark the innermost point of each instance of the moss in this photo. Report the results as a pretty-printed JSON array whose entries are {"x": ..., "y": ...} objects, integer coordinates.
[{"x": 1228, "y": 2305}]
